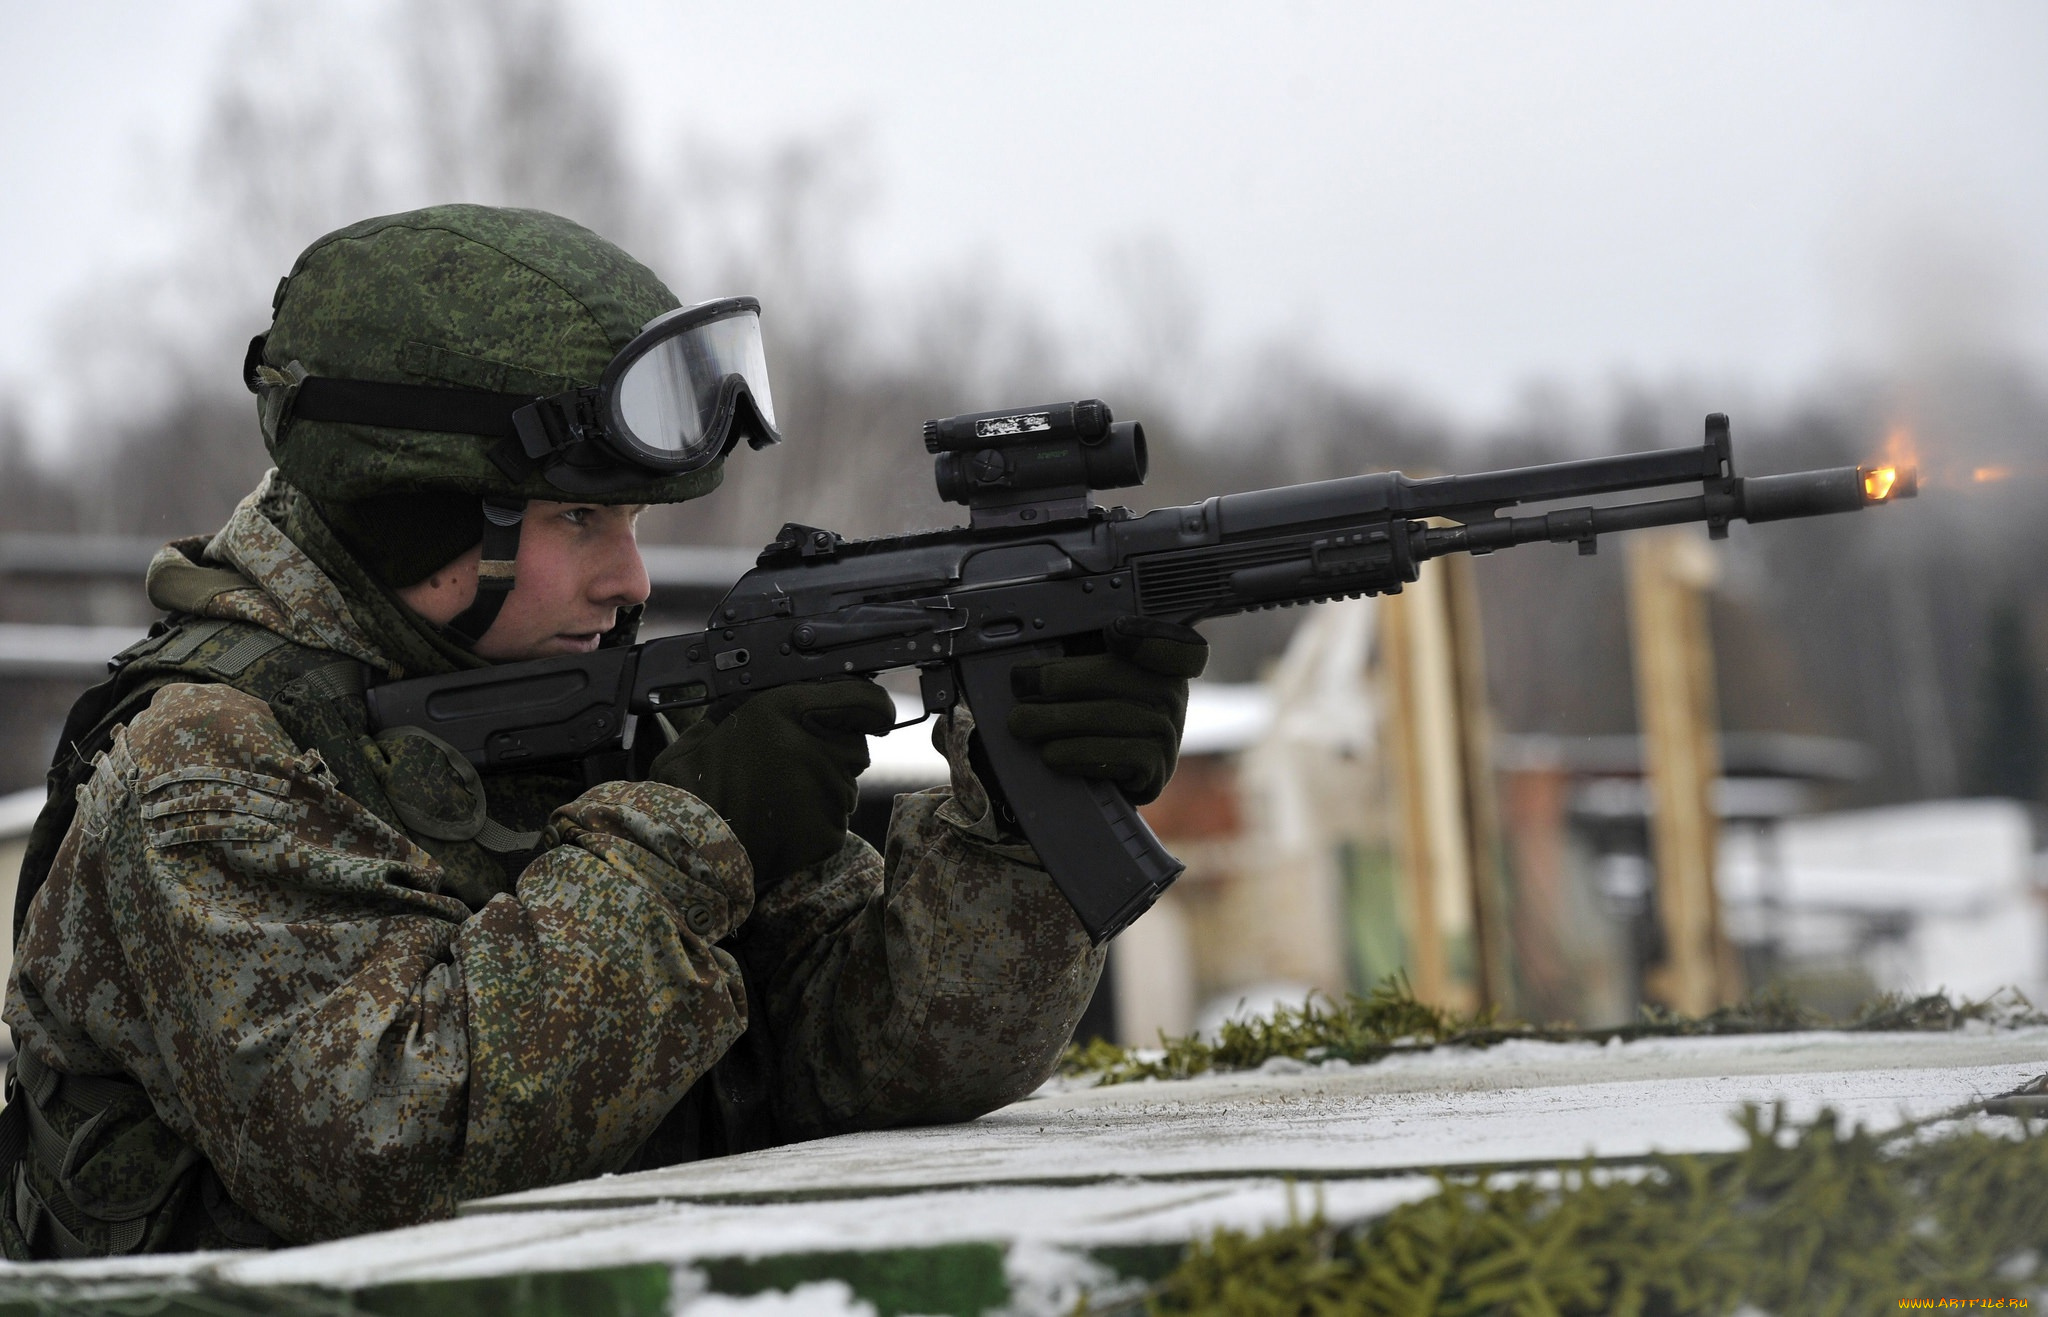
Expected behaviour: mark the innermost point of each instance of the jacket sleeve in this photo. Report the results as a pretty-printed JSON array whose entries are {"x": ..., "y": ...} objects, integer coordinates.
[
  {"x": 932, "y": 983},
  {"x": 350, "y": 1047}
]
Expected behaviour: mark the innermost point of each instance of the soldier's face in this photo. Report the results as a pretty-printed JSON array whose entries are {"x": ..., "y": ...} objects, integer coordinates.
[{"x": 578, "y": 566}]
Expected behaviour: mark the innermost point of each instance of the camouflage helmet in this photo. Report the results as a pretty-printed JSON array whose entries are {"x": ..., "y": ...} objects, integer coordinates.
[{"x": 462, "y": 297}]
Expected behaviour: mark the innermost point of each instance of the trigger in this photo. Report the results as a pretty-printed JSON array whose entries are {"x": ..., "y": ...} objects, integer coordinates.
[{"x": 939, "y": 688}]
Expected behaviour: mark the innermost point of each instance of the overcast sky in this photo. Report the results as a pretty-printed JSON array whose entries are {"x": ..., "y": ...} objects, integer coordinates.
[{"x": 1454, "y": 198}]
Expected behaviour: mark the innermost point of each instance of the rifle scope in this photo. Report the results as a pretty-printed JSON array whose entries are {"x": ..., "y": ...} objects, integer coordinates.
[{"x": 1053, "y": 451}]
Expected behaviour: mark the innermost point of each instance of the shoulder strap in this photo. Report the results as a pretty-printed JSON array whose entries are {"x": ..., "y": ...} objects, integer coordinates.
[{"x": 186, "y": 649}]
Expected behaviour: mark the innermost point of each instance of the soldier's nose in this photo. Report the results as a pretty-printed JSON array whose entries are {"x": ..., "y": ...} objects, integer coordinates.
[{"x": 625, "y": 582}]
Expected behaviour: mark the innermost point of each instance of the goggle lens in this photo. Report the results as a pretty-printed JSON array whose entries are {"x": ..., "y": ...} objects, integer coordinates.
[{"x": 674, "y": 398}]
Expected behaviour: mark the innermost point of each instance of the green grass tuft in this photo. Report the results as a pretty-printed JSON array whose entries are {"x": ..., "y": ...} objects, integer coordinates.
[
  {"x": 1365, "y": 1027},
  {"x": 1807, "y": 1219}
]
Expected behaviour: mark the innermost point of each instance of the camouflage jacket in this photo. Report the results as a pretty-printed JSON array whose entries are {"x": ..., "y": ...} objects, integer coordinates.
[{"x": 348, "y": 1024}]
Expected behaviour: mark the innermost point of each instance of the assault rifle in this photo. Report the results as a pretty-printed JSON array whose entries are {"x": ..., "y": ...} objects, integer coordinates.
[{"x": 1039, "y": 568}]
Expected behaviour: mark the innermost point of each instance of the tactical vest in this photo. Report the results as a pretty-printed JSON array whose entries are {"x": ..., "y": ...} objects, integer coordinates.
[{"x": 87, "y": 1168}]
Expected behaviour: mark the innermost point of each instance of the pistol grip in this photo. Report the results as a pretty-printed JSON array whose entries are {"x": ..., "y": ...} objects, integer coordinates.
[{"x": 1100, "y": 852}]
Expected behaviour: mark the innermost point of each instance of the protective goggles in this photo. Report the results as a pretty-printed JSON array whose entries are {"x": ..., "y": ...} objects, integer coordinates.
[
  {"x": 688, "y": 387},
  {"x": 680, "y": 396}
]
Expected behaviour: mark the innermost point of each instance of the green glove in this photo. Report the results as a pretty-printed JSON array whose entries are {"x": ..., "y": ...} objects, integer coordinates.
[
  {"x": 779, "y": 767},
  {"x": 1114, "y": 716}
]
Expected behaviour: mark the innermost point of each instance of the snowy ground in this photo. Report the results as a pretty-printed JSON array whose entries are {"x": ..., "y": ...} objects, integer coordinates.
[
  {"x": 1044, "y": 1185},
  {"x": 1510, "y": 1105}
]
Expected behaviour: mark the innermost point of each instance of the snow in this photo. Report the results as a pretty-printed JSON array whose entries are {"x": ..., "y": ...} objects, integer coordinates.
[
  {"x": 1051, "y": 1177},
  {"x": 18, "y": 812},
  {"x": 1225, "y": 717},
  {"x": 1049, "y": 1220},
  {"x": 819, "y": 1298},
  {"x": 1518, "y": 1103},
  {"x": 905, "y": 760},
  {"x": 1936, "y": 857},
  {"x": 1937, "y": 896}
]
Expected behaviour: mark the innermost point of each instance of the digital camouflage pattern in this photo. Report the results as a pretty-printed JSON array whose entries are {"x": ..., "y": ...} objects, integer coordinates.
[
  {"x": 936, "y": 981},
  {"x": 358, "y": 1024},
  {"x": 477, "y": 297}
]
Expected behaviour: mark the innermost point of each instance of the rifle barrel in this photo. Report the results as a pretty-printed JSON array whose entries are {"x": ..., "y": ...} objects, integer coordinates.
[{"x": 1756, "y": 498}]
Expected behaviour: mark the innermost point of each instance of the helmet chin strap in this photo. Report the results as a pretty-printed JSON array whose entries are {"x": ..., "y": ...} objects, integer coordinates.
[{"x": 494, "y": 573}]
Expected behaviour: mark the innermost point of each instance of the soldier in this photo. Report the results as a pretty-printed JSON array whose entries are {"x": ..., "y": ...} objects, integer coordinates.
[{"x": 285, "y": 981}]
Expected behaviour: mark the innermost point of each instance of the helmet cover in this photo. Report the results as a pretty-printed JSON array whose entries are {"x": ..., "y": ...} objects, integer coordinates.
[{"x": 475, "y": 297}]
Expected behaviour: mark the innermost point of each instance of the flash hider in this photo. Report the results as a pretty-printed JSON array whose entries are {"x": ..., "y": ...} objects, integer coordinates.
[{"x": 1054, "y": 451}]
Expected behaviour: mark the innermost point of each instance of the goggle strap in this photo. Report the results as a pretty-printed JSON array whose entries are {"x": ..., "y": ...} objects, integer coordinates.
[
  {"x": 495, "y": 574},
  {"x": 532, "y": 432},
  {"x": 545, "y": 426},
  {"x": 408, "y": 406},
  {"x": 541, "y": 429}
]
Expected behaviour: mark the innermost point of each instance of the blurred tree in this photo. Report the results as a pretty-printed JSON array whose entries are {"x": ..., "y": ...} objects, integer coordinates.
[
  {"x": 32, "y": 496},
  {"x": 2010, "y": 753},
  {"x": 181, "y": 470},
  {"x": 1860, "y": 626},
  {"x": 482, "y": 100}
]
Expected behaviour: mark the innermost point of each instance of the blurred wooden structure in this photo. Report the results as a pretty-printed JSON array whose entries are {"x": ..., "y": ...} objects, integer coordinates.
[
  {"x": 1160, "y": 966},
  {"x": 1669, "y": 573},
  {"x": 1570, "y": 954},
  {"x": 1276, "y": 809},
  {"x": 1268, "y": 904},
  {"x": 1358, "y": 833},
  {"x": 1438, "y": 741}
]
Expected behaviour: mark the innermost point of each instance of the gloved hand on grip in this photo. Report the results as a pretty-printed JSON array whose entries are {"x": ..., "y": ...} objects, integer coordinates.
[
  {"x": 779, "y": 767},
  {"x": 1114, "y": 716}
]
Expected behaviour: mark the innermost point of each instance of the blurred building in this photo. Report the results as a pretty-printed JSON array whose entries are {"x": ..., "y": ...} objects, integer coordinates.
[
  {"x": 1576, "y": 830},
  {"x": 1938, "y": 895}
]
